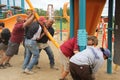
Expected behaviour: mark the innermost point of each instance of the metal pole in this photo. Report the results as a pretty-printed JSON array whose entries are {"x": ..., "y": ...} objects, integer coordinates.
[
  {"x": 61, "y": 24},
  {"x": 14, "y": 5},
  {"x": 82, "y": 34},
  {"x": 110, "y": 20},
  {"x": 8, "y": 4},
  {"x": 71, "y": 18},
  {"x": 0, "y": 9},
  {"x": 23, "y": 5}
]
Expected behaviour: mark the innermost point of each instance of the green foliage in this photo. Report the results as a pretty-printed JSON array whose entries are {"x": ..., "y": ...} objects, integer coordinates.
[{"x": 57, "y": 25}]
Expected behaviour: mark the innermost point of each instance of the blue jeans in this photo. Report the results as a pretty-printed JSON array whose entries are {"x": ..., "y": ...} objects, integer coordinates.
[
  {"x": 50, "y": 55},
  {"x": 31, "y": 49}
]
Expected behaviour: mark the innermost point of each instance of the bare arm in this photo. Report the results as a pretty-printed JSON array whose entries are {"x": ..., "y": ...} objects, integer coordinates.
[
  {"x": 76, "y": 51},
  {"x": 41, "y": 36},
  {"x": 28, "y": 21}
]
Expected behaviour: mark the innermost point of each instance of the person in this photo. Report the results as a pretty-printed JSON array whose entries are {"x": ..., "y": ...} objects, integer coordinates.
[
  {"x": 9, "y": 13},
  {"x": 32, "y": 34},
  {"x": 16, "y": 38},
  {"x": 68, "y": 49},
  {"x": 92, "y": 40},
  {"x": 5, "y": 35},
  {"x": 42, "y": 42},
  {"x": 86, "y": 63}
]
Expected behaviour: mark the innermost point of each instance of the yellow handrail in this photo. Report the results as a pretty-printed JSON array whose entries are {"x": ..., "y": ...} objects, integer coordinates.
[{"x": 44, "y": 28}]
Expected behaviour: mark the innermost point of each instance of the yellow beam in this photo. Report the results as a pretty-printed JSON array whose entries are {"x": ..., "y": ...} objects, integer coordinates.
[{"x": 44, "y": 28}]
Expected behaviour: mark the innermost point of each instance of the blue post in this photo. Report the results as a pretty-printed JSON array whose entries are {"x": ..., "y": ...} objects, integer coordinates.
[
  {"x": 82, "y": 34},
  {"x": 110, "y": 20},
  {"x": 8, "y": 4},
  {"x": 0, "y": 9},
  {"x": 61, "y": 24},
  {"x": 14, "y": 5},
  {"x": 23, "y": 5},
  {"x": 71, "y": 18}
]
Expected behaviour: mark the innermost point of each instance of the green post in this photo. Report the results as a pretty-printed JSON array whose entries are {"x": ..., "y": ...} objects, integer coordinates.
[
  {"x": 23, "y": 5},
  {"x": 61, "y": 24},
  {"x": 8, "y": 4},
  {"x": 14, "y": 5},
  {"x": 71, "y": 18},
  {"x": 82, "y": 34},
  {"x": 0, "y": 10},
  {"x": 110, "y": 21}
]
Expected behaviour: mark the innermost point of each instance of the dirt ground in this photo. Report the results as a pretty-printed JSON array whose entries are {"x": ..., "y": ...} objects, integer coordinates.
[{"x": 45, "y": 73}]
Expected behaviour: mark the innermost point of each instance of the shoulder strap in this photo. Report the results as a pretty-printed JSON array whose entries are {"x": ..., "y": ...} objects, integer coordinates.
[{"x": 96, "y": 56}]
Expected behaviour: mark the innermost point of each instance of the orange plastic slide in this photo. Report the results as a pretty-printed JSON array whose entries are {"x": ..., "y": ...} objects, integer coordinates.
[
  {"x": 10, "y": 22},
  {"x": 94, "y": 10}
]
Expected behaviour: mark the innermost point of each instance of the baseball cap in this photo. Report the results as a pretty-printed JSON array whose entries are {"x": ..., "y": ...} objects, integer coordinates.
[
  {"x": 42, "y": 18},
  {"x": 106, "y": 52}
]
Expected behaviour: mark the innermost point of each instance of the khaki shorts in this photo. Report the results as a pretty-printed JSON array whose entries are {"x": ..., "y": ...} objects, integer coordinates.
[
  {"x": 12, "y": 49},
  {"x": 42, "y": 45},
  {"x": 64, "y": 61}
]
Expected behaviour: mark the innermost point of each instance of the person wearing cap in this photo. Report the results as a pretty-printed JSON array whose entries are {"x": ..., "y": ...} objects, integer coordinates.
[
  {"x": 43, "y": 43},
  {"x": 86, "y": 63},
  {"x": 32, "y": 33}
]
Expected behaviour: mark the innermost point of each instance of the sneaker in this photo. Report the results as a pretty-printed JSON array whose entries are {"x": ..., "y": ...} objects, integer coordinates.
[
  {"x": 38, "y": 67},
  {"x": 2, "y": 66},
  {"x": 7, "y": 65},
  {"x": 54, "y": 67},
  {"x": 27, "y": 71}
]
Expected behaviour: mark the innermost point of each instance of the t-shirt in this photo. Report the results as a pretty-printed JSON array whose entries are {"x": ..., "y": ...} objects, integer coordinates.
[
  {"x": 31, "y": 30},
  {"x": 44, "y": 39},
  {"x": 69, "y": 47},
  {"x": 88, "y": 57},
  {"x": 17, "y": 33},
  {"x": 5, "y": 36}
]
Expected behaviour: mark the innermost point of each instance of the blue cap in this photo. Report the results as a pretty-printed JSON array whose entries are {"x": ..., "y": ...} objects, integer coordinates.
[{"x": 106, "y": 52}]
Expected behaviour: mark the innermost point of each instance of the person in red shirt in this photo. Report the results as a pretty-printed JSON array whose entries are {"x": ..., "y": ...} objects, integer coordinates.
[
  {"x": 16, "y": 38},
  {"x": 67, "y": 50}
]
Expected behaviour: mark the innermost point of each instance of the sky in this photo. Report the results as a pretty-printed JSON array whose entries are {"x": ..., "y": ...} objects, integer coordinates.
[{"x": 57, "y": 4}]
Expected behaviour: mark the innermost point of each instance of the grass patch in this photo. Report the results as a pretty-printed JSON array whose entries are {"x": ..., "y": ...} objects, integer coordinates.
[{"x": 65, "y": 26}]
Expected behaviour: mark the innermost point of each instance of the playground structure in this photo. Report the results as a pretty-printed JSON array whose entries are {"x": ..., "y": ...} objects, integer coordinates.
[
  {"x": 50, "y": 11},
  {"x": 9, "y": 22},
  {"x": 7, "y": 6},
  {"x": 93, "y": 13}
]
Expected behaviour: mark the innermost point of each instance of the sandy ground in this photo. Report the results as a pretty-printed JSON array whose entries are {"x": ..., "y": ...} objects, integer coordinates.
[{"x": 45, "y": 73}]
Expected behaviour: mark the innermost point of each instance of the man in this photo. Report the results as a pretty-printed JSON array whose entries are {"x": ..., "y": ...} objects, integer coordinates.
[
  {"x": 16, "y": 38},
  {"x": 42, "y": 41},
  {"x": 92, "y": 40},
  {"x": 86, "y": 63},
  {"x": 68, "y": 49},
  {"x": 32, "y": 34},
  {"x": 5, "y": 35}
]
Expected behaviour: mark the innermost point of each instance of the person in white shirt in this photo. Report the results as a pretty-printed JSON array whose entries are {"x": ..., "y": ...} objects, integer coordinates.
[{"x": 87, "y": 62}]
